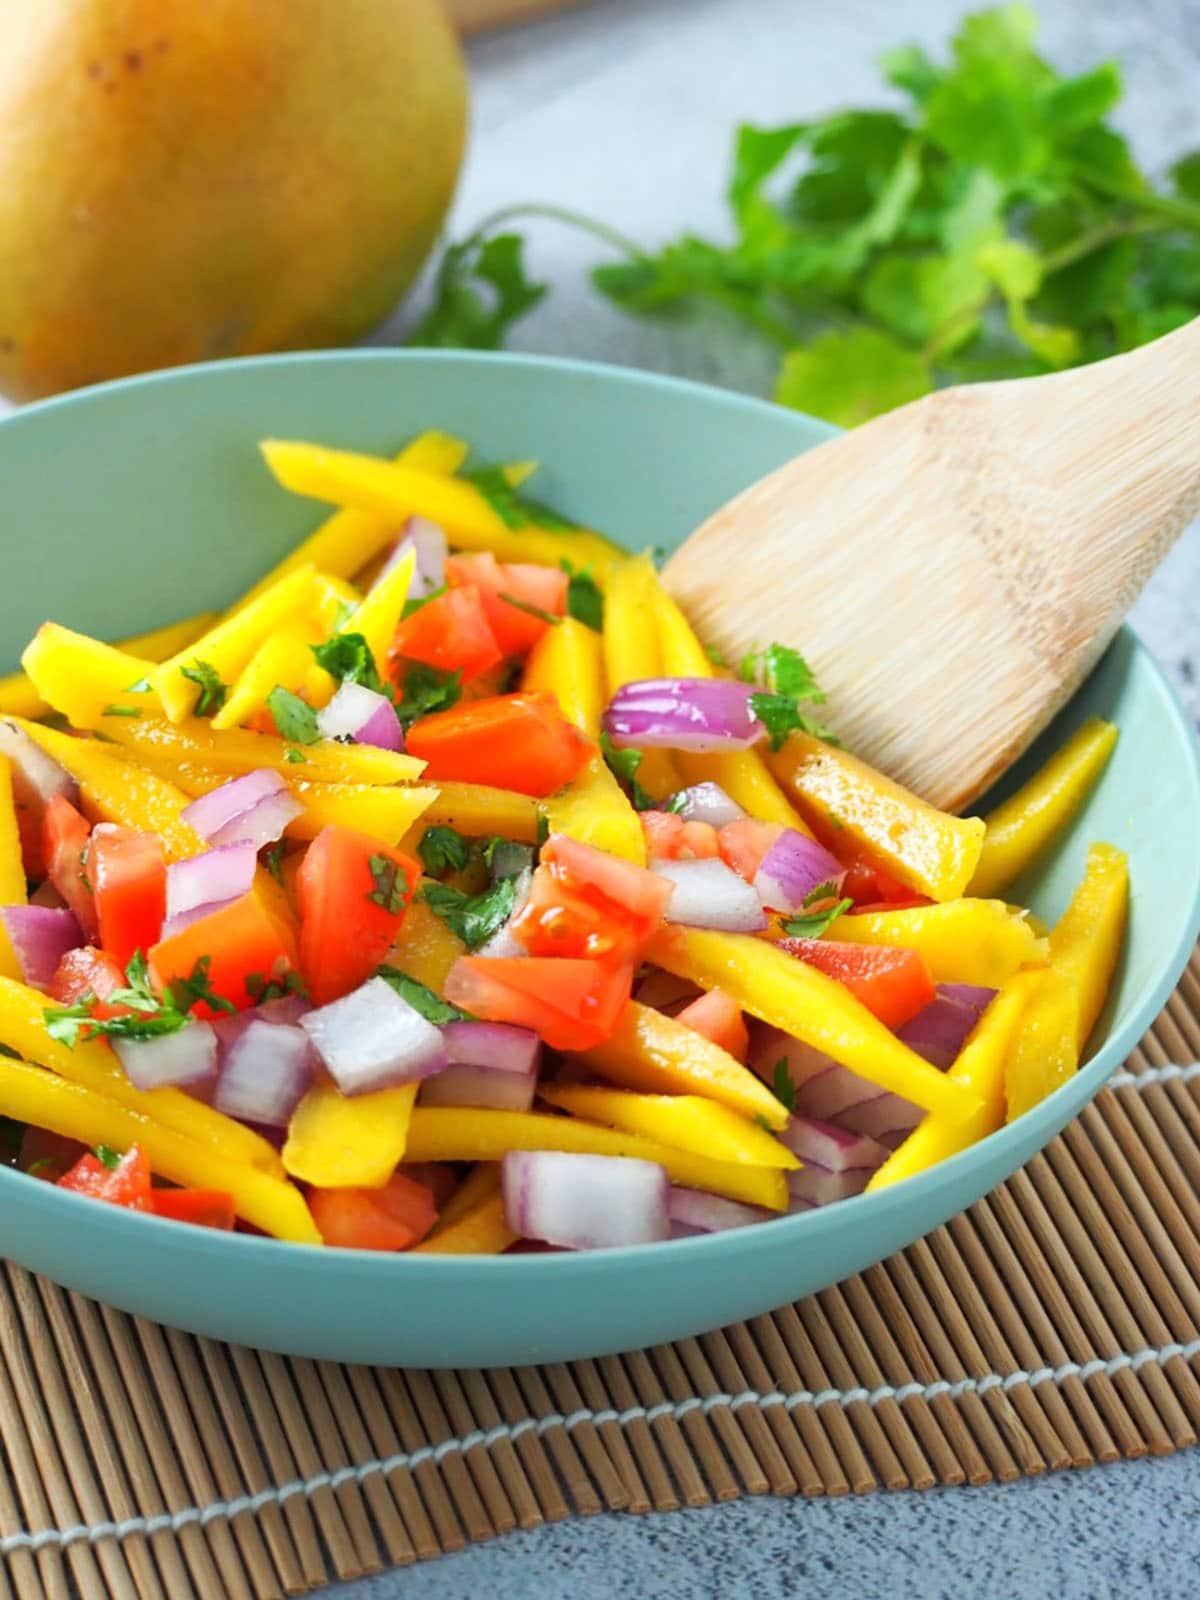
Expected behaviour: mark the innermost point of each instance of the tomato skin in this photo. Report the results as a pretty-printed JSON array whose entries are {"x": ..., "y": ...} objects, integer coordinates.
[
  {"x": 894, "y": 984},
  {"x": 128, "y": 874},
  {"x": 247, "y": 940},
  {"x": 719, "y": 1018},
  {"x": 127, "y": 1184},
  {"x": 554, "y": 921},
  {"x": 873, "y": 889},
  {"x": 451, "y": 633},
  {"x": 84, "y": 971},
  {"x": 344, "y": 933},
  {"x": 64, "y": 841},
  {"x": 205, "y": 1208},
  {"x": 663, "y": 831},
  {"x": 744, "y": 843},
  {"x": 511, "y": 741},
  {"x": 516, "y": 631},
  {"x": 572, "y": 1004},
  {"x": 392, "y": 1218},
  {"x": 623, "y": 891}
]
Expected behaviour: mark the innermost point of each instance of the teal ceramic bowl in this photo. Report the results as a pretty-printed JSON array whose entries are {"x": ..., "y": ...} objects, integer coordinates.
[{"x": 142, "y": 501}]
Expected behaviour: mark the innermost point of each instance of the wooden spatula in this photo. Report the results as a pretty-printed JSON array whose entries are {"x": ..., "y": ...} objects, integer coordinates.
[{"x": 953, "y": 570}]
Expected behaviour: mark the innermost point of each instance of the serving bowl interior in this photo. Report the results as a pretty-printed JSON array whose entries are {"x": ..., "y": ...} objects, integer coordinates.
[{"x": 138, "y": 502}]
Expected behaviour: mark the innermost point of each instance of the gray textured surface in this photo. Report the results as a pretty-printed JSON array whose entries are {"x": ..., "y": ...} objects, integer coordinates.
[{"x": 624, "y": 109}]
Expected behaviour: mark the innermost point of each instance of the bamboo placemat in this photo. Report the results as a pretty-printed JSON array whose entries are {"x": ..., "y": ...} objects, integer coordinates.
[{"x": 1055, "y": 1324}]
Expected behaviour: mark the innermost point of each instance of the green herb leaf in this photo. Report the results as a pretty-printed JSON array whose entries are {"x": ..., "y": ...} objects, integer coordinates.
[
  {"x": 812, "y": 924},
  {"x": 851, "y": 377},
  {"x": 146, "y": 1016},
  {"x": 481, "y": 290},
  {"x": 427, "y": 690},
  {"x": 782, "y": 1087},
  {"x": 474, "y": 918},
  {"x": 548, "y": 617},
  {"x": 120, "y": 711},
  {"x": 585, "y": 598},
  {"x": 262, "y": 988},
  {"x": 515, "y": 510},
  {"x": 431, "y": 1006},
  {"x": 185, "y": 993},
  {"x": 443, "y": 850},
  {"x": 273, "y": 860},
  {"x": 107, "y": 1156},
  {"x": 142, "y": 686},
  {"x": 294, "y": 718},
  {"x": 294, "y": 757},
  {"x": 213, "y": 692},
  {"x": 624, "y": 764},
  {"x": 415, "y": 604},
  {"x": 391, "y": 884},
  {"x": 347, "y": 658}
]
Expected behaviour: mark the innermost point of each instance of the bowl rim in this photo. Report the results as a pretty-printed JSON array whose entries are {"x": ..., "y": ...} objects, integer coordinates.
[{"x": 864, "y": 1207}]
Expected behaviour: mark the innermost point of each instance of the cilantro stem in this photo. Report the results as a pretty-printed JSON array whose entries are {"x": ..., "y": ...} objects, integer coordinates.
[
  {"x": 552, "y": 213},
  {"x": 1184, "y": 213}
]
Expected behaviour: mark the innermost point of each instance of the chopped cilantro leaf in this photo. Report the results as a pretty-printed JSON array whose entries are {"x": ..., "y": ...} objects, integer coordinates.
[
  {"x": 812, "y": 924},
  {"x": 419, "y": 600},
  {"x": 273, "y": 860},
  {"x": 107, "y": 1156},
  {"x": 787, "y": 681},
  {"x": 431, "y": 1006},
  {"x": 585, "y": 598},
  {"x": 475, "y": 917},
  {"x": 548, "y": 617},
  {"x": 624, "y": 764},
  {"x": 714, "y": 655},
  {"x": 142, "y": 686},
  {"x": 443, "y": 850},
  {"x": 212, "y": 691},
  {"x": 543, "y": 828},
  {"x": 347, "y": 658},
  {"x": 120, "y": 711},
  {"x": 391, "y": 884},
  {"x": 427, "y": 690},
  {"x": 783, "y": 1088},
  {"x": 294, "y": 718},
  {"x": 514, "y": 510},
  {"x": 143, "y": 1014},
  {"x": 294, "y": 756},
  {"x": 184, "y": 993},
  {"x": 261, "y": 989}
]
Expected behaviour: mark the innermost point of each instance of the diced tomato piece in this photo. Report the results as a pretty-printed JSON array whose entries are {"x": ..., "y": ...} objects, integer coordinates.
[
  {"x": 622, "y": 890},
  {"x": 85, "y": 971},
  {"x": 544, "y": 588},
  {"x": 204, "y": 1208},
  {"x": 248, "y": 943},
  {"x": 555, "y": 921},
  {"x": 437, "y": 1176},
  {"x": 699, "y": 842},
  {"x": 352, "y": 891},
  {"x": 513, "y": 741},
  {"x": 65, "y": 834},
  {"x": 720, "y": 1019},
  {"x": 48, "y": 1155},
  {"x": 392, "y": 1218},
  {"x": 127, "y": 1184},
  {"x": 744, "y": 843},
  {"x": 451, "y": 633},
  {"x": 664, "y": 835},
  {"x": 872, "y": 887},
  {"x": 571, "y": 1004},
  {"x": 893, "y": 983},
  {"x": 128, "y": 874}
]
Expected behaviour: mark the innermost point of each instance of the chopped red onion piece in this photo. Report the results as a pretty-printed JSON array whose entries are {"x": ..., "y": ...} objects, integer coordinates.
[
  {"x": 479, "y": 1086},
  {"x": 184, "y": 919},
  {"x": 939, "y": 1030},
  {"x": 210, "y": 879},
  {"x": 792, "y": 868},
  {"x": 490, "y": 1064},
  {"x": 358, "y": 713},
  {"x": 583, "y": 1202},
  {"x": 829, "y": 1092},
  {"x": 711, "y": 1213},
  {"x": 40, "y": 937},
  {"x": 263, "y": 824},
  {"x": 428, "y": 543},
  {"x": 372, "y": 1039},
  {"x": 186, "y": 1057},
  {"x": 708, "y": 894},
  {"x": 213, "y": 812},
  {"x": 37, "y": 777},
  {"x": 694, "y": 714},
  {"x": 706, "y": 802},
  {"x": 837, "y": 1163},
  {"x": 265, "y": 1073}
]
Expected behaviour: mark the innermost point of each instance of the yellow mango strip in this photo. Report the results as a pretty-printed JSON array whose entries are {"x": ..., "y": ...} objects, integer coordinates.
[
  {"x": 631, "y": 654},
  {"x": 285, "y": 660},
  {"x": 33, "y": 1095},
  {"x": 237, "y": 750},
  {"x": 425, "y": 947},
  {"x": 367, "y": 483},
  {"x": 83, "y": 678},
  {"x": 481, "y": 1231},
  {"x": 457, "y": 1133},
  {"x": 1021, "y": 828},
  {"x": 12, "y": 868},
  {"x": 228, "y": 646},
  {"x": 566, "y": 662},
  {"x": 386, "y": 812},
  {"x": 345, "y": 542},
  {"x": 481, "y": 1183},
  {"x": 1086, "y": 940},
  {"x": 337, "y": 1141},
  {"x": 849, "y": 803},
  {"x": 980, "y": 1068},
  {"x": 477, "y": 810},
  {"x": 1043, "y": 1054},
  {"x": 684, "y": 1121},
  {"x": 379, "y": 613},
  {"x": 814, "y": 1008},
  {"x": 655, "y": 1054},
  {"x": 19, "y": 697},
  {"x": 116, "y": 790},
  {"x": 743, "y": 774},
  {"x": 964, "y": 941},
  {"x": 92, "y": 1065}
]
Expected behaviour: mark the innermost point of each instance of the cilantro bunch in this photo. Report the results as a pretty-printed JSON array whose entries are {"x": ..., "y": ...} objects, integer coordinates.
[{"x": 992, "y": 225}]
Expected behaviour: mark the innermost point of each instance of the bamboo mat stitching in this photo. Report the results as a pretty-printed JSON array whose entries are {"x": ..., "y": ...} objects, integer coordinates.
[{"x": 677, "y": 1409}]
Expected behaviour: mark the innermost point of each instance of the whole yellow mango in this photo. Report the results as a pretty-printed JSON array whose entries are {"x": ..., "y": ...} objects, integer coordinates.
[{"x": 183, "y": 181}]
